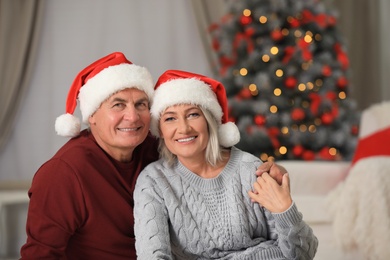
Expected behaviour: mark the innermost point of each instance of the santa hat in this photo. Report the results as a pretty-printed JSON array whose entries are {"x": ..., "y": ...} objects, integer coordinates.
[
  {"x": 95, "y": 84},
  {"x": 181, "y": 87}
]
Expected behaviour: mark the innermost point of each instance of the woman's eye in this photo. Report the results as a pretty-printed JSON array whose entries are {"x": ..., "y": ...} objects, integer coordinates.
[
  {"x": 168, "y": 119},
  {"x": 193, "y": 115}
]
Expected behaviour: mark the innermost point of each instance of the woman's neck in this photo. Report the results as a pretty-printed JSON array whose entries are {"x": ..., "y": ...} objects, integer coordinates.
[{"x": 202, "y": 168}]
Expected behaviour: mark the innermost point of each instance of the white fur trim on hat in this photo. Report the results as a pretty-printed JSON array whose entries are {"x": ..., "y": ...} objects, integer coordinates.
[
  {"x": 183, "y": 91},
  {"x": 111, "y": 80}
]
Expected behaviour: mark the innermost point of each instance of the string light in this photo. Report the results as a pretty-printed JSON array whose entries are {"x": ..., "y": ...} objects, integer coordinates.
[
  {"x": 283, "y": 150},
  {"x": 243, "y": 71},
  {"x": 285, "y": 32},
  {"x": 246, "y": 12},
  {"x": 312, "y": 128},
  {"x": 310, "y": 85},
  {"x": 303, "y": 128},
  {"x": 279, "y": 73},
  {"x": 273, "y": 109},
  {"x": 263, "y": 19},
  {"x": 308, "y": 39},
  {"x": 274, "y": 50},
  {"x": 277, "y": 92},
  {"x": 284, "y": 130},
  {"x": 332, "y": 151},
  {"x": 252, "y": 87},
  {"x": 264, "y": 157},
  {"x": 342, "y": 95},
  {"x": 265, "y": 58}
]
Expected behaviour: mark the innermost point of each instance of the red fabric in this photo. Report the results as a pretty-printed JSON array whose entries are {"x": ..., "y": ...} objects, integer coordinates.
[
  {"x": 376, "y": 144},
  {"x": 81, "y": 203},
  {"x": 90, "y": 71}
]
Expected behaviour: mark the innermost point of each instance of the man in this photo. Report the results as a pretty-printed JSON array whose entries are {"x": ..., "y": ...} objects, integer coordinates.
[{"x": 81, "y": 200}]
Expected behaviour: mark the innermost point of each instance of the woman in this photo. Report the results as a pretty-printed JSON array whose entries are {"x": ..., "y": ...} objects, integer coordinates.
[{"x": 197, "y": 202}]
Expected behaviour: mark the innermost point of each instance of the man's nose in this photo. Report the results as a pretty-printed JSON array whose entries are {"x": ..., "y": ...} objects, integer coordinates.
[{"x": 131, "y": 113}]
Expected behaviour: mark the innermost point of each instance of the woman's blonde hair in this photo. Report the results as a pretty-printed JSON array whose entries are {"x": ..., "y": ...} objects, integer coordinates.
[{"x": 213, "y": 149}]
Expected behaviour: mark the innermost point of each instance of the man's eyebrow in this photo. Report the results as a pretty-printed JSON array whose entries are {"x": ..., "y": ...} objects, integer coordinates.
[
  {"x": 142, "y": 100},
  {"x": 117, "y": 99}
]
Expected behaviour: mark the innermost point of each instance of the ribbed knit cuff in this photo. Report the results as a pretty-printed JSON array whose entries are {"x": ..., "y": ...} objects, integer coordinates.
[{"x": 288, "y": 218}]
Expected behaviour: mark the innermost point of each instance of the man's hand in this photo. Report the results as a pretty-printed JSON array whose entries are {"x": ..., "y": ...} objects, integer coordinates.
[{"x": 274, "y": 170}]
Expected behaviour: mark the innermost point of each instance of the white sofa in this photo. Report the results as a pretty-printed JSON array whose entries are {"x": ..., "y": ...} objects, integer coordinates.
[{"x": 311, "y": 182}]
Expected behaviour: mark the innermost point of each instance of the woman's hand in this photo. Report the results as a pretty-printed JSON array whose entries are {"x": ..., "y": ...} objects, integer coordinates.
[{"x": 269, "y": 194}]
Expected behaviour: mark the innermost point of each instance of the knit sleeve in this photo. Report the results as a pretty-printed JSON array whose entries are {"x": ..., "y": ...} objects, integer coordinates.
[
  {"x": 150, "y": 219},
  {"x": 295, "y": 238}
]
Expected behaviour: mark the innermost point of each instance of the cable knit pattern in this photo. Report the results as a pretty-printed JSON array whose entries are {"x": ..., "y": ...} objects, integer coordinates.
[{"x": 179, "y": 215}]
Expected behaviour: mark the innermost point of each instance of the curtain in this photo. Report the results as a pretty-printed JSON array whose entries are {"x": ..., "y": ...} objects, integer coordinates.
[
  {"x": 361, "y": 21},
  {"x": 19, "y": 34}
]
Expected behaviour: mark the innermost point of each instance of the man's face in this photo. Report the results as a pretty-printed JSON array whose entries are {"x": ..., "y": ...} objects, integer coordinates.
[{"x": 122, "y": 123}]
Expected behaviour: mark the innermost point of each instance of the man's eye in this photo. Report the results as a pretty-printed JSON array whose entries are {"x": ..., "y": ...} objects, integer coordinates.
[
  {"x": 142, "y": 105},
  {"x": 118, "y": 105}
]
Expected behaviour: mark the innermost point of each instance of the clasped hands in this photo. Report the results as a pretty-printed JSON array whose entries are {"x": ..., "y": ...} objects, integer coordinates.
[{"x": 272, "y": 188}]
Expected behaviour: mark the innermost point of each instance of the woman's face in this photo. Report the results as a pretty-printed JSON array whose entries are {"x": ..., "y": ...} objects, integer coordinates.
[{"x": 185, "y": 132}]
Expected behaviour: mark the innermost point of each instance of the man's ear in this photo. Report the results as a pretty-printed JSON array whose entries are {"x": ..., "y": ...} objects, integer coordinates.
[{"x": 91, "y": 119}]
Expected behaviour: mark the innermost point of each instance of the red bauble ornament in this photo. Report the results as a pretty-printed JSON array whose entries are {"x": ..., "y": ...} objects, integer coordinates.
[
  {"x": 277, "y": 35},
  {"x": 260, "y": 120},
  {"x": 327, "y": 118},
  {"x": 290, "y": 82},
  {"x": 331, "y": 95},
  {"x": 249, "y": 31},
  {"x": 245, "y": 93},
  {"x": 324, "y": 154},
  {"x": 355, "y": 130},
  {"x": 273, "y": 131},
  {"x": 342, "y": 82},
  {"x": 326, "y": 70},
  {"x": 245, "y": 20},
  {"x": 298, "y": 150},
  {"x": 294, "y": 23},
  {"x": 308, "y": 155},
  {"x": 298, "y": 114}
]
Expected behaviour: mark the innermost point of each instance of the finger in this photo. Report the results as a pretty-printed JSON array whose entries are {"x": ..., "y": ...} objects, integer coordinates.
[
  {"x": 257, "y": 187},
  {"x": 267, "y": 177},
  {"x": 286, "y": 182},
  {"x": 264, "y": 167}
]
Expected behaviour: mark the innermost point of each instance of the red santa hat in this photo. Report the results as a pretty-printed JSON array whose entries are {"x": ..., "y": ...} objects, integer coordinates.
[
  {"x": 181, "y": 87},
  {"x": 95, "y": 84}
]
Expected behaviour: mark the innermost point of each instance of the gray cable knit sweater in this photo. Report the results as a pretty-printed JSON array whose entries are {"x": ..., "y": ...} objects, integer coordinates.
[{"x": 179, "y": 215}]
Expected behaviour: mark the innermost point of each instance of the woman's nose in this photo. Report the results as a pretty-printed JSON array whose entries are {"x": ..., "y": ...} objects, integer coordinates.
[{"x": 184, "y": 126}]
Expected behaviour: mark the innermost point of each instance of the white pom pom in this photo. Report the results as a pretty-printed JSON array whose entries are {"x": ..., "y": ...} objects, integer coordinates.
[
  {"x": 67, "y": 125},
  {"x": 229, "y": 134}
]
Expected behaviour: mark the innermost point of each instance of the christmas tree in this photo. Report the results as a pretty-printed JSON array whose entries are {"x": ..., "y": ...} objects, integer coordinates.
[{"x": 285, "y": 68}]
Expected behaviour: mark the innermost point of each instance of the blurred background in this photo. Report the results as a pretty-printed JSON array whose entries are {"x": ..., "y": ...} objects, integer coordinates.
[{"x": 44, "y": 44}]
